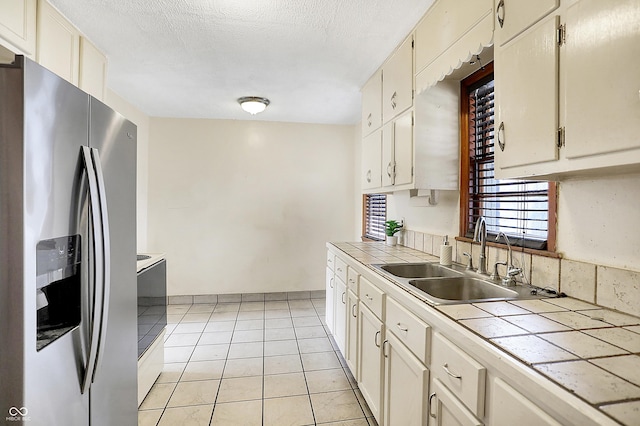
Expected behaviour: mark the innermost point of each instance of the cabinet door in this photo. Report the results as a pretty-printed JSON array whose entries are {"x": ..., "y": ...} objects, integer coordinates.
[
  {"x": 387, "y": 155},
  {"x": 371, "y": 160},
  {"x": 526, "y": 87},
  {"x": 448, "y": 410},
  {"x": 340, "y": 321},
  {"x": 93, "y": 70},
  {"x": 330, "y": 300},
  {"x": 372, "y": 104},
  {"x": 600, "y": 65},
  {"x": 406, "y": 381},
  {"x": 508, "y": 407},
  {"x": 397, "y": 82},
  {"x": 515, "y": 16},
  {"x": 370, "y": 360},
  {"x": 58, "y": 43},
  {"x": 403, "y": 149},
  {"x": 352, "y": 333},
  {"x": 18, "y": 24}
]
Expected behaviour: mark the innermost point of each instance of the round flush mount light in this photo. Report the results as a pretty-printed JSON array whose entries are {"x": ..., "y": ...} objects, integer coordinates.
[{"x": 253, "y": 104}]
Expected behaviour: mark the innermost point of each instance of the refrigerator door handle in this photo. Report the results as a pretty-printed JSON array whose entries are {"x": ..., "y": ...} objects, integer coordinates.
[
  {"x": 106, "y": 259},
  {"x": 98, "y": 270}
]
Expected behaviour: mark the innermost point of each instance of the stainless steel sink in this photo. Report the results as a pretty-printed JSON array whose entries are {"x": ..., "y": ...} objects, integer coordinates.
[
  {"x": 439, "y": 285},
  {"x": 463, "y": 289},
  {"x": 418, "y": 270},
  {"x": 140, "y": 257}
]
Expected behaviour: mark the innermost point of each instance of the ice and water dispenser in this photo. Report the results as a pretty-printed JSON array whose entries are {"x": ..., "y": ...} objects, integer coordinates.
[{"x": 58, "y": 288}]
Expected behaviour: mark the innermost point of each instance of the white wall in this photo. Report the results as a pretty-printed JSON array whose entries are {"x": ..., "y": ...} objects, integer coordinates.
[
  {"x": 247, "y": 206},
  {"x": 142, "y": 180},
  {"x": 599, "y": 220}
]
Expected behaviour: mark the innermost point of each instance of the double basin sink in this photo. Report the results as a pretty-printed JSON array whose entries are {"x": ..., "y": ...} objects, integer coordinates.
[{"x": 443, "y": 285}]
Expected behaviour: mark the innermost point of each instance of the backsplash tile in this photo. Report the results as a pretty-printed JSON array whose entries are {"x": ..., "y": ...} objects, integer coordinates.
[
  {"x": 545, "y": 272},
  {"x": 618, "y": 289},
  {"x": 578, "y": 279}
]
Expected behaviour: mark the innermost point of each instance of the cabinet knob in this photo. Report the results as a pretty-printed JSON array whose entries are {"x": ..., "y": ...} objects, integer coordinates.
[{"x": 500, "y": 13}]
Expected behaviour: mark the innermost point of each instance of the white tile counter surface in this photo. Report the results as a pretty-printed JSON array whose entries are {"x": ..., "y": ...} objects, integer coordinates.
[{"x": 590, "y": 351}]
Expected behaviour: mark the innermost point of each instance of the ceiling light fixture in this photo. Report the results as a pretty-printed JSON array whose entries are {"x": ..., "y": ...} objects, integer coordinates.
[{"x": 253, "y": 104}]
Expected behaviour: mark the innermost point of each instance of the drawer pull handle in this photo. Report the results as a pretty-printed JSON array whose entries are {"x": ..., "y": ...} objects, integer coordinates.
[
  {"x": 384, "y": 348},
  {"x": 369, "y": 297},
  {"x": 343, "y": 301},
  {"x": 375, "y": 338},
  {"x": 331, "y": 283},
  {"x": 402, "y": 327},
  {"x": 430, "y": 410},
  {"x": 339, "y": 269},
  {"x": 353, "y": 311},
  {"x": 446, "y": 369}
]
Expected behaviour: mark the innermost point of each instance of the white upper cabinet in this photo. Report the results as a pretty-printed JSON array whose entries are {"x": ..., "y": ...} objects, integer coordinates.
[
  {"x": 515, "y": 16},
  {"x": 450, "y": 32},
  {"x": 397, "y": 82},
  {"x": 18, "y": 26},
  {"x": 93, "y": 70},
  {"x": 58, "y": 46},
  {"x": 371, "y": 161},
  {"x": 397, "y": 152},
  {"x": 567, "y": 88},
  {"x": 601, "y": 78},
  {"x": 372, "y": 104},
  {"x": 526, "y": 90}
]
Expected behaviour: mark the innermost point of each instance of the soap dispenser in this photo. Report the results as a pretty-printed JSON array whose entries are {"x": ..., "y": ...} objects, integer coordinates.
[{"x": 446, "y": 252}]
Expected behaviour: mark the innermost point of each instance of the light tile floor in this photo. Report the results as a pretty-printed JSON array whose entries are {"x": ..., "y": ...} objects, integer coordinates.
[{"x": 253, "y": 363}]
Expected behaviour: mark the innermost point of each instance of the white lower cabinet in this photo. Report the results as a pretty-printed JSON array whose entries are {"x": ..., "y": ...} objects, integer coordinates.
[
  {"x": 406, "y": 382},
  {"x": 447, "y": 410},
  {"x": 330, "y": 300},
  {"x": 370, "y": 360},
  {"x": 340, "y": 312},
  {"x": 353, "y": 310},
  {"x": 509, "y": 407}
]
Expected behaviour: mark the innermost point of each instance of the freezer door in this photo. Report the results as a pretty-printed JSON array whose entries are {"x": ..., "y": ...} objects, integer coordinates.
[
  {"x": 114, "y": 389},
  {"x": 43, "y": 256}
]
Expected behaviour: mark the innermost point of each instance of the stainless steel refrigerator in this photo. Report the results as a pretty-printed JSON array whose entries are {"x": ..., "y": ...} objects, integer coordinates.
[{"x": 68, "y": 338}]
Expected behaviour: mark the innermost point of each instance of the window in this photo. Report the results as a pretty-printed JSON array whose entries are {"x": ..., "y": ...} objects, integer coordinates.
[
  {"x": 523, "y": 210},
  {"x": 374, "y": 216}
]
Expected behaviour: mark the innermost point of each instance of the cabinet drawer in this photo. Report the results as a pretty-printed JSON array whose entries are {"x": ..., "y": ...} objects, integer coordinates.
[
  {"x": 463, "y": 375},
  {"x": 409, "y": 329},
  {"x": 331, "y": 260},
  {"x": 371, "y": 296},
  {"x": 352, "y": 279},
  {"x": 341, "y": 269}
]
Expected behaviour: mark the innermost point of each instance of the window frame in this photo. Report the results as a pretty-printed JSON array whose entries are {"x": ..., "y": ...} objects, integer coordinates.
[
  {"x": 365, "y": 236},
  {"x": 465, "y": 165}
]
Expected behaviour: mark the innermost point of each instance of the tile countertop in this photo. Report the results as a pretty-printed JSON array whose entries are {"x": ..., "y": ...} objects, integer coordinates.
[
  {"x": 145, "y": 263},
  {"x": 591, "y": 351}
]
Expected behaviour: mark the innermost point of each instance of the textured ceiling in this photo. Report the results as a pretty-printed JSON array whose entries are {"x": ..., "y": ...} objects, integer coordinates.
[{"x": 194, "y": 58}]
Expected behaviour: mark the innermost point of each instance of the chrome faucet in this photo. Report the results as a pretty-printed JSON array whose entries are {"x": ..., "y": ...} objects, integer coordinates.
[
  {"x": 509, "y": 280},
  {"x": 480, "y": 235}
]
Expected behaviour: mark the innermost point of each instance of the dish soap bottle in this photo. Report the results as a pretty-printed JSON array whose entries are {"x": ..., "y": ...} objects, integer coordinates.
[{"x": 446, "y": 252}]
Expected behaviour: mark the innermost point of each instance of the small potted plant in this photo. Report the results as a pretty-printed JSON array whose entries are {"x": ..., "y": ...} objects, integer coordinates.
[{"x": 391, "y": 227}]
